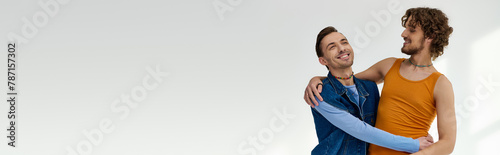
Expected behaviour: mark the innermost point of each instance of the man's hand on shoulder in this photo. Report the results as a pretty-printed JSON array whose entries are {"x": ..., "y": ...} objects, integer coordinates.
[{"x": 312, "y": 90}]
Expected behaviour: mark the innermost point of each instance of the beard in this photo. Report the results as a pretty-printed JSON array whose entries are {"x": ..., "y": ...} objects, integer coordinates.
[
  {"x": 335, "y": 64},
  {"x": 349, "y": 64},
  {"x": 413, "y": 50}
]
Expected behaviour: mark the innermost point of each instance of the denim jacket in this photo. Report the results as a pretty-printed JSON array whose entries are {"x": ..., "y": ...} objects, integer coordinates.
[{"x": 332, "y": 140}]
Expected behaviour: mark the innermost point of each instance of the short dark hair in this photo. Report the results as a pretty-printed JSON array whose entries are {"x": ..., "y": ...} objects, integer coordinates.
[
  {"x": 321, "y": 35},
  {"x": 434, "y": 23}
]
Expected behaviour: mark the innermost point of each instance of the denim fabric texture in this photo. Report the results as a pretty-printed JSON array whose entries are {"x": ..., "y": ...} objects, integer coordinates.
[{"x": 332, "y": 140}]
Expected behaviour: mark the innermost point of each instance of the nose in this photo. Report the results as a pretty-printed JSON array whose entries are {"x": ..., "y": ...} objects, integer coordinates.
[
  {"x": 404, "y": 34},
  {"x": 342, "y": 48}
]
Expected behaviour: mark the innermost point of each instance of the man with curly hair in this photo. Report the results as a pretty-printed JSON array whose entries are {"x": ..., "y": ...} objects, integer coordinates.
[{"x": 414, "y": 92}]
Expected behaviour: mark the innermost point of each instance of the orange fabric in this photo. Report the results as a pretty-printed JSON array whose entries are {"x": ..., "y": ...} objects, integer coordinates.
[{"x": 406, "y": 107}]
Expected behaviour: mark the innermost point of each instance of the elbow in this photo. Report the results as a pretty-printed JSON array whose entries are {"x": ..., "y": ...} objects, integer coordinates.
[{"x": 450, "y": 147}]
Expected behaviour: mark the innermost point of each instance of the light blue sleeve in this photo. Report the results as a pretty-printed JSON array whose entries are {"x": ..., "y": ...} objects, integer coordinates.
[{"x": 365, "y": 132}]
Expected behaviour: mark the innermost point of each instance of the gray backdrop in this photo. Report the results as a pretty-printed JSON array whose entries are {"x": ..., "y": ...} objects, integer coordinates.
[{"x": 216, "y": 76}]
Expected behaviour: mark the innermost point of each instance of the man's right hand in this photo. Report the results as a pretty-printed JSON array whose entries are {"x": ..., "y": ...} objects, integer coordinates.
[
  {"x": 425, "y": 142},
  {"x": 313, "y": 89}
]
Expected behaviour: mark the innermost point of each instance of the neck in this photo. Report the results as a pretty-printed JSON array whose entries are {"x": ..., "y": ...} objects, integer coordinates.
[
  {"x": 344, "y": 73},
  {"x": 422, "y": 58}
]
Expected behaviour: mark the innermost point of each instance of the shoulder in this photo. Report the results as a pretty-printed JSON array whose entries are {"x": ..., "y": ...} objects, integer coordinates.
[
  {"x": 329, "y": 92},
  {"x": 442, "y": 83},
  {"x": 443, "y": 87},
  {"x": 370, "y": 86},
  {"x": 384, "y": 65},
  {"x": 327, "y": 87},
  {"x": 388, "y": 61}
]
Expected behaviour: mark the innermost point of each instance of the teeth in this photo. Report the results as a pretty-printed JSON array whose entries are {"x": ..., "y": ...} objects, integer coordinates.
[{"x": 344, "y": 56}]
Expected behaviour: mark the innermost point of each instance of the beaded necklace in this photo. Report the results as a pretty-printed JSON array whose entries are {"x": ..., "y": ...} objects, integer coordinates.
[
  {"x": 419, "y": 65},
  {"x": 343, "y": 78}
]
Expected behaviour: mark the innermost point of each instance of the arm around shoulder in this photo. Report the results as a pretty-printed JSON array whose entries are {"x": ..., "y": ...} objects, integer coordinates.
[{"x": 377, "y": 72}]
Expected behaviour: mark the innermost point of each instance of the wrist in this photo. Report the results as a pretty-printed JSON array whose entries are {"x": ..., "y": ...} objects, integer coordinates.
[{"x": 416, "y": 145}]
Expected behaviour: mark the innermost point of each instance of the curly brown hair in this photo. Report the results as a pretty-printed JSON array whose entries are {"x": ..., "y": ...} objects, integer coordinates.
[{"x": 434, "y": 23}]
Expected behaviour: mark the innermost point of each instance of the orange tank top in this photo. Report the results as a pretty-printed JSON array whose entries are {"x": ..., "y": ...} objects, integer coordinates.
[{"x": 406, "y": 107}]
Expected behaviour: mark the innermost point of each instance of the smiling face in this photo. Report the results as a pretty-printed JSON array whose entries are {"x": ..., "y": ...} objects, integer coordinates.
[
  {"x": 337, "y": 52},
  {"x": 414, "y": 39},
  {"x": 432, "y": 23}
]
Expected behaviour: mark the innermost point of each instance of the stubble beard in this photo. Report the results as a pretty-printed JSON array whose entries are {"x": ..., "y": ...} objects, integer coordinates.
[
  {"x": 414, "y": 50},
  {"x": 346, "y": 65}
]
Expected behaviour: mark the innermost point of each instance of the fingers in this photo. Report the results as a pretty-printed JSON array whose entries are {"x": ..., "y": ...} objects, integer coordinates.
[
  {"x": 318, "y": 91},
  {"x": 429, "y": 138},
  {"x": 307, "y": 99},
  {"x": 424, "y": 143},
  {"x": 313, "y": 90},
  {"x": 311, "y": 95}
]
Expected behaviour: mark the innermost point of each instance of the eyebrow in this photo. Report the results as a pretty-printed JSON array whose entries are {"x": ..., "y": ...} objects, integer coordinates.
[
  {"x": 341, "y": 40},
  {"x": 410, "y": 25}
]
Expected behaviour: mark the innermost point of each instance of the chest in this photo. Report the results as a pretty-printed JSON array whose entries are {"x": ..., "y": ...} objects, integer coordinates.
[{"x": 414, "y": 74}]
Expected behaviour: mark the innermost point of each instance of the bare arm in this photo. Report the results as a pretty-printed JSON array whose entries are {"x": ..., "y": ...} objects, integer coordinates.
[
  {"x": 376, "y": 72},
  {"x": 446, "y": 121}
]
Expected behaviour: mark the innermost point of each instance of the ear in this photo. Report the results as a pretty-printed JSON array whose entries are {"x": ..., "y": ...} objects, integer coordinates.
[
  {"x": 429, "y": 39},
  {"x": 322, "y": 61}
]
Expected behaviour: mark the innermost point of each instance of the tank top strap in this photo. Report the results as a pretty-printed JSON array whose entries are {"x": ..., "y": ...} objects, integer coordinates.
[
  {"x": 395, "y": 67},
  {"x": 433, "y": 78},
  {"x": 435, "y": 75}
]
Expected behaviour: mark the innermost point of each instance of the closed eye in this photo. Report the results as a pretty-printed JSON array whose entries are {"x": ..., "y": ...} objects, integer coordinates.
[{"x": 331, "y": 47}]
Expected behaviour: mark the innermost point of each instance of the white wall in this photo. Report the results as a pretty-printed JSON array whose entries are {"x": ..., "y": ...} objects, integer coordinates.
[{"x": 235, "y": 78}]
